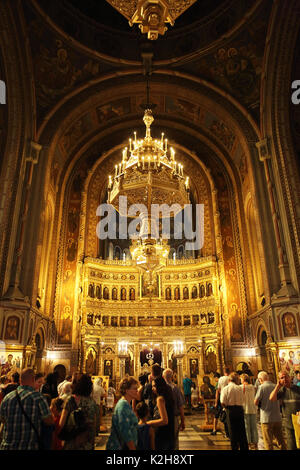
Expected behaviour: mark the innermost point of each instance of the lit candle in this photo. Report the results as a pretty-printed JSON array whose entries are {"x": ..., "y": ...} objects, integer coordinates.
[
  {"x": 162, "y": 138},
  {"x": 120, "y": 166},
  {"x": 166, "y": 144},
  {"x": 172, "y": 153},
  {"x": 135, "y": 137}
]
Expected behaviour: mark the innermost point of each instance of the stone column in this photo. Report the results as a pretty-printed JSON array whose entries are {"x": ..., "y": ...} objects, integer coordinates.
[
  {"x": 165, "y": 364},
  {"x": 265, "y": 156},
  {"x": 136, "y": 360},
  {"x": 31, "y": 159},
  {"x": 219, "y": 359},
  {"x": 179, "y": 358},
  {"x": 201, "y": 359},
  {"x": 122, "y": 359},
  {"x": 98, "y": 367}
]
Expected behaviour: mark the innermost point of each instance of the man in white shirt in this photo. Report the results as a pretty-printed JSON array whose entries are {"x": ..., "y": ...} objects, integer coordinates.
[
  {"x": 61, "y": 385},
  {"x": 222, "y": 382},
  {"x": 232, "y": 399}
]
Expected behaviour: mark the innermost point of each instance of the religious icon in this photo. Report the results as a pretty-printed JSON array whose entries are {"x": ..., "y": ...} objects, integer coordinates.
[
  {"x": 122, "y": 321},
  {"x": 105, "y": 293},
  {"x": 202, "y": 290},
  {"x": 114, "y": 295},
  {"x": 289, "y": 324},
  {"x": 194, "y": 368},
  {"x": 113, "y": 322},
  {"x": 211, "y": 317},
  {"x": 91, "y": 290},
  {"x": 71, "y": 250},
  {"x": 105, "y": 320},
  {"x": 132, "y": 294},
  {"x": 98, "y": 292},
  {"x": 169, "y": 321},
  {"x": 185, "y": 293},
  {"x": 284, "y": 365},
  {"x": 186, "y": 320},
  {"x": 207, "y": 389},
  {"x": 91, "y": 362},
  {"x": 168, "y": 293},
  {"x": 209, "y": 289},
  {"x": 65, "y": 336},
  {"x": 123, "y": 293},
  {"x": 108, "y": 368},
  {"x": 8, "y": 365},
  {"x": 236, "y": 324},
  {"x": 291, "y": 359},
  {"x": 211, "y": 360},
  {"x": 194, "y": 292},
  {"x": 177, "y": 293},
  {"x": 177, "y": 320},
  {"x": 128, "y": 366},
  {"x": 90, "y": 318},
  {"x": 131, "y": 321},
  {"x": 12, "y": 328}
]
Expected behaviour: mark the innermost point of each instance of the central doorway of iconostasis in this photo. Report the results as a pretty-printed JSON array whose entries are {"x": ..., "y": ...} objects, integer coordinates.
[{"x": 148, "y": 357}]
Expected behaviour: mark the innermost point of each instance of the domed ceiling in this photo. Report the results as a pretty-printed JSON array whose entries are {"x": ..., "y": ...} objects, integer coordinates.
[
  {"x": 103, "y": 29},
  {"x": 75, "y": 42}
]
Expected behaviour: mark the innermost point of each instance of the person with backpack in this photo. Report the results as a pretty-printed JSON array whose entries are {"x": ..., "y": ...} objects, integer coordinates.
[{"x": 78, "y": 418}]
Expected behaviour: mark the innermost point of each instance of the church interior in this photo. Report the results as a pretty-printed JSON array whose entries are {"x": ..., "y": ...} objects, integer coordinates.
[{"x": 194, "y": 111}]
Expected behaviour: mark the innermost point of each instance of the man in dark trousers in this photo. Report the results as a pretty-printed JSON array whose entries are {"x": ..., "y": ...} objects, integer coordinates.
[{"x": 232, "y": 399}]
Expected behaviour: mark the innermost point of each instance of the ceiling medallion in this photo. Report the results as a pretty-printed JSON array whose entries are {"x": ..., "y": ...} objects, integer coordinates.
[{"x": 151, "y": 15}]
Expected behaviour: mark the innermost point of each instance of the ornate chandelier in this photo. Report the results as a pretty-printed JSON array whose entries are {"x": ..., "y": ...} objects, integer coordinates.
[
  {"x": 149, "y": 174},
  {"x": 151, "y": 15}
]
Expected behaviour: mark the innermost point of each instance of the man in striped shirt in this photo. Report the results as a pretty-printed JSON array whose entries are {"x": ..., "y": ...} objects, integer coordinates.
[{"x": 18, "y": 432}]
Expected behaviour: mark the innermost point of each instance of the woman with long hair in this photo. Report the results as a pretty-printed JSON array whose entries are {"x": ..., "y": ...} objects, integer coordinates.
[{"x": 163, "y": 421}]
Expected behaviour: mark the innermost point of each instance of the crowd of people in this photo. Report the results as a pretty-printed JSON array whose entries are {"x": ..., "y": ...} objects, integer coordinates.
[
  {"x": 43, "y": 413},
  {"x": 277, "y": 404},
  {"x": 149, "y": 414}
]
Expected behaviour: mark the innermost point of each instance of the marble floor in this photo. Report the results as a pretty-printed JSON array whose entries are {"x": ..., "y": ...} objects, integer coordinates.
[{"x": 192, "y": 438}]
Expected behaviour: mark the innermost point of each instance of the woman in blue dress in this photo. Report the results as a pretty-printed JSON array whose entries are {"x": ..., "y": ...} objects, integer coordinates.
[{"x": 124, "y": 424}]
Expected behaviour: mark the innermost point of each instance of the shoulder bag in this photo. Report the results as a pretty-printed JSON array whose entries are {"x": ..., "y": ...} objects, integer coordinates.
[{"x": 74, "y": 425}]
